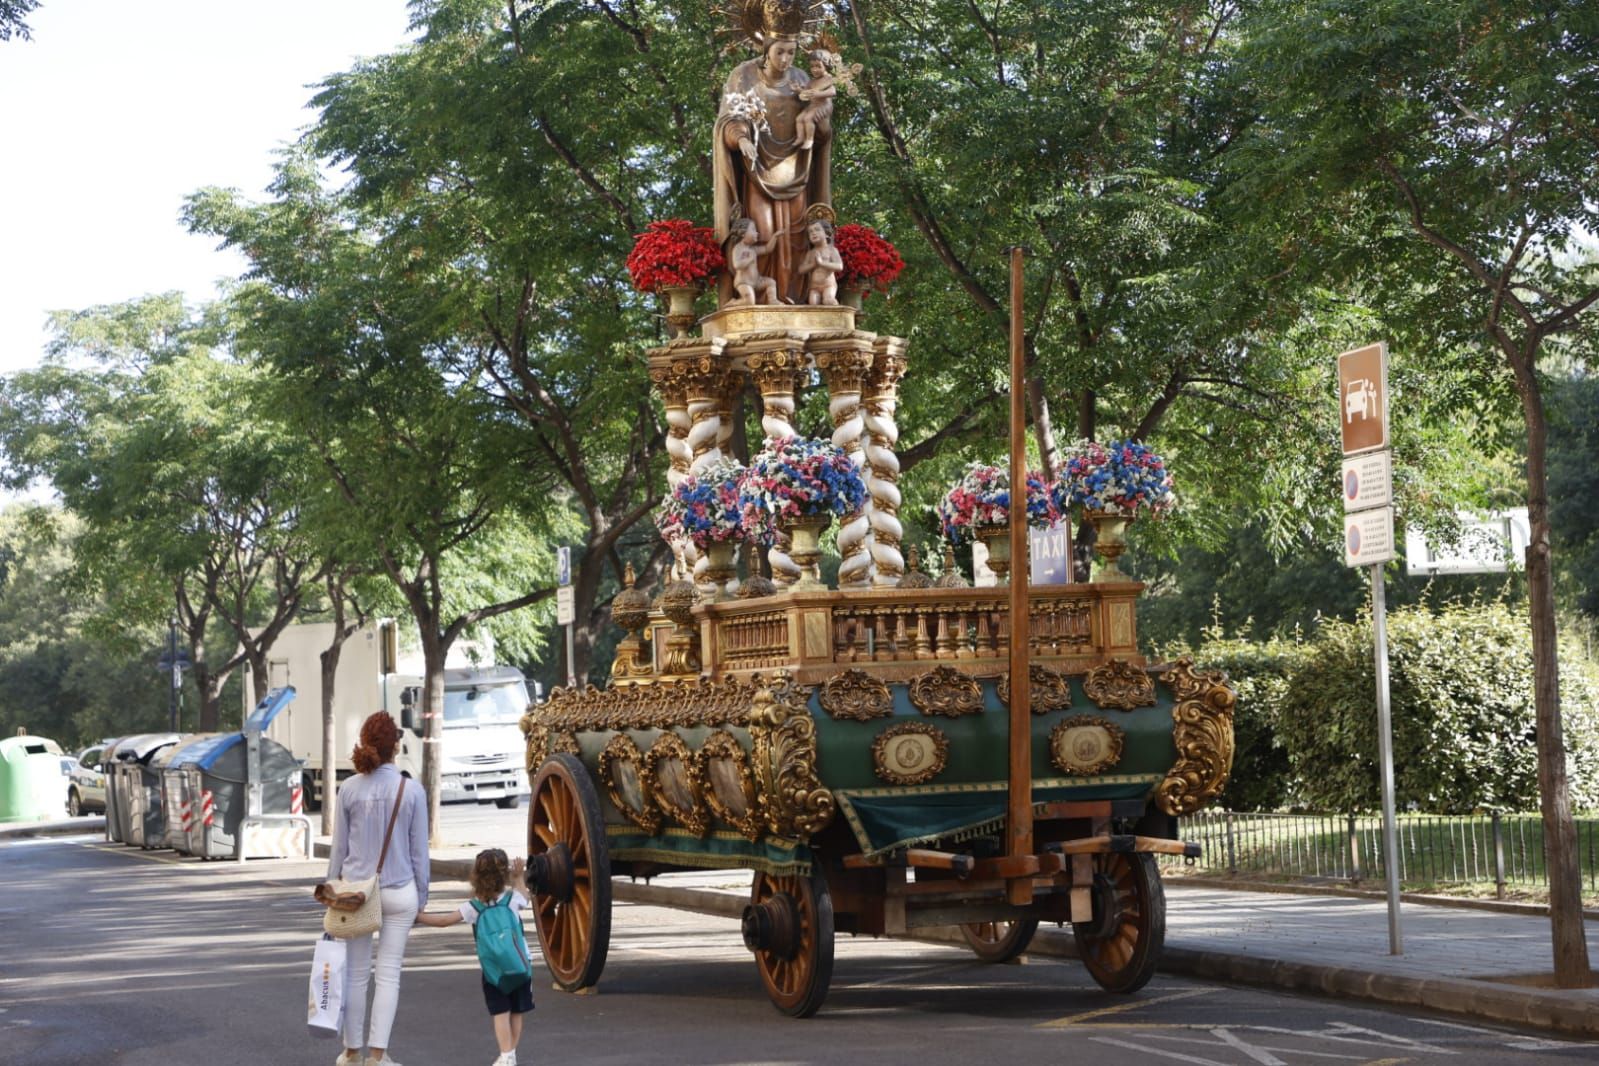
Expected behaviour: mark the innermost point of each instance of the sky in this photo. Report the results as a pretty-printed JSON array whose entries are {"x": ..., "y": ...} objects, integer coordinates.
[{"x": 115, "y": 111}]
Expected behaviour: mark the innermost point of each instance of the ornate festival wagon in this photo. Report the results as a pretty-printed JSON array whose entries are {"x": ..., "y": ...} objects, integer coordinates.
[{"x": 862, "y": 749}]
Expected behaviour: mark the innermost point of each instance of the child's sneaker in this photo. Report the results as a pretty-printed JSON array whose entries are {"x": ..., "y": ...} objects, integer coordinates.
[{"x": 507, "y": 1058}]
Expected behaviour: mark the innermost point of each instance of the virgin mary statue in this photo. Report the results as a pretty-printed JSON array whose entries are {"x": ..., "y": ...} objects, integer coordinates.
[{"x": 761, "y": 171}]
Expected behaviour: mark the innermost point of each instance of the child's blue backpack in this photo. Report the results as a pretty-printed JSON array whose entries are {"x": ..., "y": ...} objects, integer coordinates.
[{"x": 501, "y": 947}]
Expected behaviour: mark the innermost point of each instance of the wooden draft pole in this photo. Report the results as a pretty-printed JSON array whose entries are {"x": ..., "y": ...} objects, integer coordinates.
[{"x": 1020, "y": 889}]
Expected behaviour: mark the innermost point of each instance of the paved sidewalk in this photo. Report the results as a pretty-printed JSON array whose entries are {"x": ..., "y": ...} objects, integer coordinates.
[{"x": 1476, "y": 963}]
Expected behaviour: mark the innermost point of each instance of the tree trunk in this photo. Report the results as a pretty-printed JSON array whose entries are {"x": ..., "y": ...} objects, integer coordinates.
[
  {"x": 330, "y": 741},
  {"x": 433, "y": 652},
  {"x": 1560, "y": 832},
  {"x": 1043, "y": 428}
]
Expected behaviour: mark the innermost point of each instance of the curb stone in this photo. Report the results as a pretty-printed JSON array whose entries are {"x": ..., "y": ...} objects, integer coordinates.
[
  {"x": 1239, "y": 884},
  {"x": 74, "y": 827}
]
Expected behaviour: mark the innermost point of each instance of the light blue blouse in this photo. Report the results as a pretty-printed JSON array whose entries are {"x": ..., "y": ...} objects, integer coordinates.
[{"x": 365, "y": 801}]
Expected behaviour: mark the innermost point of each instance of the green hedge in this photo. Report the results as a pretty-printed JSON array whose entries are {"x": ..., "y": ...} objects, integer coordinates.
[{"x": 1461, "y": 691}]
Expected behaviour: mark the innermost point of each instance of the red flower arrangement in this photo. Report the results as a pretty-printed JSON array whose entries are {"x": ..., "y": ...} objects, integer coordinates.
[
  {"x": 869, "y": 260},
  {"x": 673, "y": 251}
]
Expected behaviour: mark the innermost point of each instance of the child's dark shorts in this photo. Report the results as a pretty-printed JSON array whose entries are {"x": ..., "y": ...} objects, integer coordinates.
[{"x": 517, "y": 1001}]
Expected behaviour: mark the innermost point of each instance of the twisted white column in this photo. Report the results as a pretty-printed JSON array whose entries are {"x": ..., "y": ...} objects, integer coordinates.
[
  {"x": 883, "y": 472},
  {"x": 844, "y": 405},
  {"x": 777, "y": 378}
]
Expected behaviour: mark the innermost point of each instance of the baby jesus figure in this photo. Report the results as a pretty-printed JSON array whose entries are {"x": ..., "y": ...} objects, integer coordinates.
[
  {"x": 822, "y": 265},
  {"x": 818, "y": 97}
]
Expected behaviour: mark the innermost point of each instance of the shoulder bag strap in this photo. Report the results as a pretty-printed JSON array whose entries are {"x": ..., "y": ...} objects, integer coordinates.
[{"x": 389, "y": 832}]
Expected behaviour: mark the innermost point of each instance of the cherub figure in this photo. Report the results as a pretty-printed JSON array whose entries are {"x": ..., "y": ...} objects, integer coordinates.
[
  {"x": 822, "y": 265},
  {"x": 818, "y": 97},
  {"x": 743, "y": 253}
]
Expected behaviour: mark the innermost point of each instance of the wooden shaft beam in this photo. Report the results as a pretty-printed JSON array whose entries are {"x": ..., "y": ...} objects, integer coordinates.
[{"x": 1019, "y": 842}]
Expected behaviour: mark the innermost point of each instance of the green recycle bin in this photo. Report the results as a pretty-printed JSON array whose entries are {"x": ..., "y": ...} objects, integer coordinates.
[{"x": 31, "y": 785}]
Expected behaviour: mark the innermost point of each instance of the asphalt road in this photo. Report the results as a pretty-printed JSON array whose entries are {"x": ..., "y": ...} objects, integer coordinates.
[{"x": 112, "y": 955}]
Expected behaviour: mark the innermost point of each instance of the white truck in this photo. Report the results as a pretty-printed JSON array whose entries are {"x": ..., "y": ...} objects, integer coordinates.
[{"x": 481, "y": 744}]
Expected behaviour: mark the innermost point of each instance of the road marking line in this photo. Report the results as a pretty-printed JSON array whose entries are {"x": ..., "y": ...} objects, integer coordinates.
[
  {"x": 1511, "y": 1040},
  {"x": 1322, "y": 1034},
  {"x": 1129, "y": 1045},
  {"x": 1418, "y": 1045},
  {"x": 1386, "y": 1062},
  {"x": 1260, "y": 1055},
  {"x": 1073, "y": 1019}
]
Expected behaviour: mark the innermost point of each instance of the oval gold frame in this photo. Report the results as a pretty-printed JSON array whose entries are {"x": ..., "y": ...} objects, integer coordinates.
[
  {"x": 724, "y": 746},
  {"x": 885, "y": 739},
  {"x": 1114, "y": 743},
  {"x": 693, "y": 817},
  {"x": 620, "y": 749}
]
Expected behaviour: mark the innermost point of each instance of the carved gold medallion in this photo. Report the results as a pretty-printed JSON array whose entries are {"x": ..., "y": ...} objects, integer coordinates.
[
  {"x": 910, "y": 753},
  {"x": 856, "y": 694},
  {"x": 946, "y": 691},
  {"x": 1086, "y": 745},
  {"x": 1119, "y": 686}
]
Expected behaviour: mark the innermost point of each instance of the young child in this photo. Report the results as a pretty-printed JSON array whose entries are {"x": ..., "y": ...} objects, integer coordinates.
[
  {"x": 818, "y": 97},
  {"x": 491, "y": 873}
]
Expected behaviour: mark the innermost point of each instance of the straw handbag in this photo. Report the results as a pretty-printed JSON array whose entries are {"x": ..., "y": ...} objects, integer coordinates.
[{"x": 355, "y": 908}]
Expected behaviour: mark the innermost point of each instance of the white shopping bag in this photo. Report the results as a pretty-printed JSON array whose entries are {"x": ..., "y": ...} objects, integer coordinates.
[{"x": 324, "y": 1011}]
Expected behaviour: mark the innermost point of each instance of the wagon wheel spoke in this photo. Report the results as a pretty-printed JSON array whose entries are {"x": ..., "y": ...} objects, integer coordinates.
[{"x": 565, "y": 822}]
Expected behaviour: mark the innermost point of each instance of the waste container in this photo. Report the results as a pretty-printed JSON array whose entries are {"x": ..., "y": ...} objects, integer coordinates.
[
  {"x": 30, "y": 780},
  {"x": 133, "y": 789},
  {"x": 242, "y": 790},
  {"x": 125, "y": 759},
  {"x": 177, "y": 809}
]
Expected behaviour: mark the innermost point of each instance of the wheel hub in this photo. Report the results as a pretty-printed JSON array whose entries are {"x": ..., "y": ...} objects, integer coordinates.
[
  {"x": 550, "y": 874},
  {"x": 772, "y": 926}
]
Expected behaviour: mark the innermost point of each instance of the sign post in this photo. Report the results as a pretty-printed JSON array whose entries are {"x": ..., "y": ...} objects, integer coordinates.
[
  {"x": 566, "y": 606},
  {"x": 1369, "y": 541}
]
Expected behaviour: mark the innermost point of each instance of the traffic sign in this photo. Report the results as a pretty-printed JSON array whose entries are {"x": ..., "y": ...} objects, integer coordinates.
[
  {"x": 563, "y": 565},
  {"x": 1369, "y": 537},
  {"x": 565, "y": 605},
  {"x": 1368, "y": 481},
  {"x": 1363, "y": 398}
]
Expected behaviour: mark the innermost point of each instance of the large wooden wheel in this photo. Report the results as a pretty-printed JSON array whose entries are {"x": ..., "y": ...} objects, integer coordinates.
[
  {"x": 1122, "y": 944},
  {"x": 569, "y": 870},
  {"x": 999, "y": 941},
  {"x": 789, "y": 926}
]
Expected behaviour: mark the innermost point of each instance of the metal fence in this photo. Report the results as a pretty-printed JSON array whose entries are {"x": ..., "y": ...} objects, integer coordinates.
[{"x": 1498, "y": 849}]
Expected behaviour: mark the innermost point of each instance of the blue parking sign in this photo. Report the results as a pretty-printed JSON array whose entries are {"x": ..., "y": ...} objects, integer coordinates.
[{"x": 563, "y": 565}]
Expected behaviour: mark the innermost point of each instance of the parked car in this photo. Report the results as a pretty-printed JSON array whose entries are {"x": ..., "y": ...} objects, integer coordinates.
[
  {"x": 68, "y": 764},
  {"x": 86, "y": 791}
]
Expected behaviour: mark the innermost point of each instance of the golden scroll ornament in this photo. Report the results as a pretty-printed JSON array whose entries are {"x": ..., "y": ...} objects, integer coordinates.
[
  {"x": 1050, "y": 690},
  {"x": 793, "y": 798},
  {"x": 946, "y": 691},
  {"x": 1202, "y": 730},
  {"x": 1120, "y": 686},
  {"x": 857, "y": 695}
]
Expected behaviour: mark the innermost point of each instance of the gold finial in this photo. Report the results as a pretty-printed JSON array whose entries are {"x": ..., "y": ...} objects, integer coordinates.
[{"x": 951, "y": 578}]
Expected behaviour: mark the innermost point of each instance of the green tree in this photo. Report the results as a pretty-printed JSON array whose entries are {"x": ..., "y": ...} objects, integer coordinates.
[
  {"x": 423, "y": 469},
  {"x": 188, "y": 494},
  {"x": 65, "y": 673},
  {"x": 1448, "y": 149}
]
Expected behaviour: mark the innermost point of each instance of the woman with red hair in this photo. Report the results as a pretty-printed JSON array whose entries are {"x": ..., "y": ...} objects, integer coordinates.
[{"x": 368, "y": 803}]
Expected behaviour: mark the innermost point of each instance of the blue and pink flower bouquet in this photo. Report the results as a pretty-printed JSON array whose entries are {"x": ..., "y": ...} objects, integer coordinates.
[
  {"x": 704, "y": 507},
  {"x": 982, "y": 498},
  {"x": 795, "y": 478},
  {"x": 1121, "y": 477}
]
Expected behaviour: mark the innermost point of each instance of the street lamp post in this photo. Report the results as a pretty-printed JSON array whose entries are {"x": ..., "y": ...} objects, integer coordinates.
[{"x": 177, "y": 673}]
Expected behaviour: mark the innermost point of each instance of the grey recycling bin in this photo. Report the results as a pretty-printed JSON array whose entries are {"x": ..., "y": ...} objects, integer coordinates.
[
  {"x": 127, "y": 774},
  {"x": 135, "y": 784},
  {"x": 241, "y": 791},
  {"x": 176, "y": 807}
]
